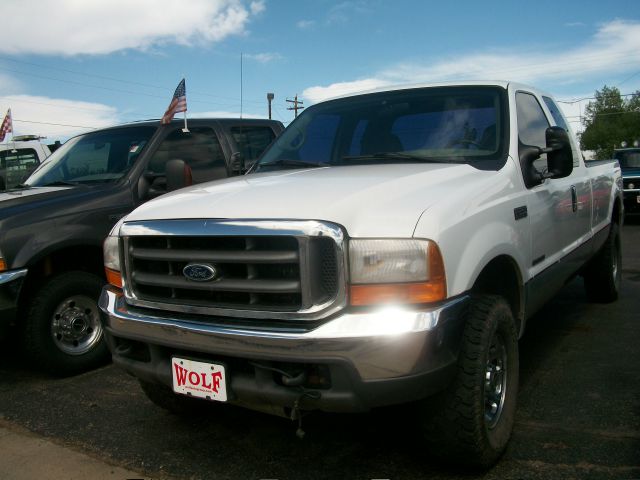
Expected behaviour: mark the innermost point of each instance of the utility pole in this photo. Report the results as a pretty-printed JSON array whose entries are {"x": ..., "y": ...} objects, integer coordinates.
[
  {"x": 270, "y": 99},
  {"x": 297, "y": 105}
]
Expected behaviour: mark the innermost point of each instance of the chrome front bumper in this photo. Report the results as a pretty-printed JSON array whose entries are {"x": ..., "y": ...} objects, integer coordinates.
[
  {"x": 10, "y": 286},
  {"x": 388, "y": 346}
]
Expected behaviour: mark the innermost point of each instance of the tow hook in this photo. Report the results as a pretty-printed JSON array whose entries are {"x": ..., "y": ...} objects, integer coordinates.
[{"x": 296, "y": 412}]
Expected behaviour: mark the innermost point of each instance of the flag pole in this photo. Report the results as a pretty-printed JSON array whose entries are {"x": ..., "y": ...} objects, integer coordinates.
[{"x": 185, "y": 129}]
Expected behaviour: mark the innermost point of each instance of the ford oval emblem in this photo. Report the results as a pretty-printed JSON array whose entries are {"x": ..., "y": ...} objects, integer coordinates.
[{"x": 199, "y": 272}]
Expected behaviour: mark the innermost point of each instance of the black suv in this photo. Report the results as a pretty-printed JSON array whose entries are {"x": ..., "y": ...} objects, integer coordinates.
[{"x": 53, "y": 224}]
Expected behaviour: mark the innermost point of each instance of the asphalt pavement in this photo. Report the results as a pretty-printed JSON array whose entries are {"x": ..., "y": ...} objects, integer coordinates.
[{"x": 578, "y": 415}]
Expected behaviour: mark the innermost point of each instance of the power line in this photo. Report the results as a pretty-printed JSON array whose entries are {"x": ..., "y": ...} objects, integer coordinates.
[
  {"x": 13, "y": 99},
  {"x": 594, "y": 98},
  {"x": 629, "y": 78},
  {"x": 113, "y": 79},
  {"x": 55, "y": 124}
]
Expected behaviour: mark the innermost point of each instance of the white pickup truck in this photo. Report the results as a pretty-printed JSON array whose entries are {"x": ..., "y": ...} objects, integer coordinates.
[{"x": 388, "y": 248}]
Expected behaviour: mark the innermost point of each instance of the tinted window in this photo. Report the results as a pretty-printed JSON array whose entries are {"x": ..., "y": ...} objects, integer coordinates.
[
  {"x": 199, "y": 148},
  {"x": 532, "y": 122},
  {"x": 95, "y": 157},
  {"x": 317, "y": 142},
  {"x": 555, "y": 113},
  {"x": 15, "y": 165},
  {"x": 252, "y": 141},
  {"x": 431, "y": 124}
]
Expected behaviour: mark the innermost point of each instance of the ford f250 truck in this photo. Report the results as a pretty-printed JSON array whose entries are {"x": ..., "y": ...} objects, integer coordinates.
[
  {"x": 389, "y": 247},
  {"x": 53, "y": 224}
]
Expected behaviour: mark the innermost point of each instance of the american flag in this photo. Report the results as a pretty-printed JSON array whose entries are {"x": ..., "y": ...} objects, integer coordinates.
[
  {"x": 178, "y": 103},
  {"x": 7, "y": 125}
]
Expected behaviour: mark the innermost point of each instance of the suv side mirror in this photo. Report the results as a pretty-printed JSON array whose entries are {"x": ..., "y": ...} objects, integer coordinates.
[
  {"x": 178, "y": 175},
  {"x": 236, "y": 165},
  {"x": 559, "y": 157}
]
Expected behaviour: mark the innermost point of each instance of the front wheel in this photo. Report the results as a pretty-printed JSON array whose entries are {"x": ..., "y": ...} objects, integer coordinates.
[
  {"x": 471, "y": 422},
  {"x": 63, "y": 334}
]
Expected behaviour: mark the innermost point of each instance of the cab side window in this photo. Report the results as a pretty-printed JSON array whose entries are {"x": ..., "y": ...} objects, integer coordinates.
[
  {"x": 532, "y": 125},
  {"x": 200, "y": 149}
]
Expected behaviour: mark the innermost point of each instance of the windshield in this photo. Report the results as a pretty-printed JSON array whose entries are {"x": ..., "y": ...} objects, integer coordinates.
[
  {"x": 97, "y": 157},
  {"x": 447, "y": 124},
  {"x": 628, "y": 158}
]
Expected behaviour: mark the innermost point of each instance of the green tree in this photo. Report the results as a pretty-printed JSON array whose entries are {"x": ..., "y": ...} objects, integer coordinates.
[{"x": 609, "y": 121}]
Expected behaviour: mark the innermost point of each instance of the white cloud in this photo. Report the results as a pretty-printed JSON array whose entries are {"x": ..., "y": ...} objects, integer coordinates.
[
  {"x": 342, "y": 13},
  {"x": 614, "y": 48},
  {"x": 305, "y": 24},
  {"x": 71, "y": 27},
  {"x": 257, "y": 7},
  {"x": 263, "y": 57},
  {"x": 56, "y": 118}
]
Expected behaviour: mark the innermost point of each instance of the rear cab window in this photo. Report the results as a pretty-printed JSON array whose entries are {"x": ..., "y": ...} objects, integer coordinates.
[
  {"x": 251, "y": 141},
  {"x": 15, "y": 165},
  {"x": 199, "y": 148}
]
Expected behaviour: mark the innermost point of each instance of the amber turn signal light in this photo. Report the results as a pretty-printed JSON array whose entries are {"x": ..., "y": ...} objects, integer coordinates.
[{"x": 113, "y": 277}]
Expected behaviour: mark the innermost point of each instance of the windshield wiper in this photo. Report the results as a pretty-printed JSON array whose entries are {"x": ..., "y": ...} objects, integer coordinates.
[
  {"x": 292, "y": 163},
  {"x": 400, "y": 156}
]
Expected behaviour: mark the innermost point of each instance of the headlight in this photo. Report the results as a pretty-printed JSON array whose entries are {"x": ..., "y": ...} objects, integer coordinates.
[
  {"x": 3, "y": 263},
  {"x": 395, "y": 271},
  {"x": 111, "y": 253}
]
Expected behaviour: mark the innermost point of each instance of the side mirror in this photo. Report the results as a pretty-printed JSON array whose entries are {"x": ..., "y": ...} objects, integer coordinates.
[
  {"x": 559, "y": 157},
  {"x": 178, "y": 175},
  {"x": 236, "y": 165}
]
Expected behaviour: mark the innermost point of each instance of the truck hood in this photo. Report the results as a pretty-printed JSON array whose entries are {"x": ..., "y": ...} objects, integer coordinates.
[
  {"x": 16, "y": 200},
  {"x": 369, "y": 200},
  {"x": 47, "y": 201}
]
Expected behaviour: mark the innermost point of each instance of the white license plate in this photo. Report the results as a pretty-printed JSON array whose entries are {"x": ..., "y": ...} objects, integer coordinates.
[{"x": 199, "y": 379}]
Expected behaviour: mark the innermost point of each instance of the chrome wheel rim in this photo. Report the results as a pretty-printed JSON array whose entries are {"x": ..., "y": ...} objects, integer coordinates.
[
  {"x": 75, "y": 325},
  {"x": 495, "y": 381}
]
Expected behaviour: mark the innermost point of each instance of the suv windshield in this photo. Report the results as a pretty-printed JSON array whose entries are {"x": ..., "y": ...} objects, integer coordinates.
[
  {"x": 97, "y": 157},
  {"x": 443, "y": 124},
  {"x": 628, "y": 158}
]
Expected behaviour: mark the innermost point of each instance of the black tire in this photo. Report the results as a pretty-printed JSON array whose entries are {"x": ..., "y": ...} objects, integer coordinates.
[
  {"x": 62, "y": 332},
  {"x": 604, "y": 273},
  {"x": 458, "y": 424},
  {"x": 166, "y": 399}
]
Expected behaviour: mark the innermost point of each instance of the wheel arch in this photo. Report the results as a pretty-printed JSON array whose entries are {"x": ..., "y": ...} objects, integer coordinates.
[
  {"x": 501, "y": 276},
  {"x": 64, "y": 258}
]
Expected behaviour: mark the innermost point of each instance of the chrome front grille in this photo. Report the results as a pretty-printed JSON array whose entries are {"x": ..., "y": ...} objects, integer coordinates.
[{"x": 262, "y": 268}]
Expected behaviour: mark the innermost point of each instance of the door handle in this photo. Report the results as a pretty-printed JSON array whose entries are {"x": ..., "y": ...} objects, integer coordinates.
[{"x": 574, "y": 198}]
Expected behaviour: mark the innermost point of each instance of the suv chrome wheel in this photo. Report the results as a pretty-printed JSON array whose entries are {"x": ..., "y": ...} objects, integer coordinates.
[{"x": 75, "y": 325}]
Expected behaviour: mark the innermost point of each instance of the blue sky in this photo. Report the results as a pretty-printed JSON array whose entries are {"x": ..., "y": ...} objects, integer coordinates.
[{"x": 89, "y": 64}]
